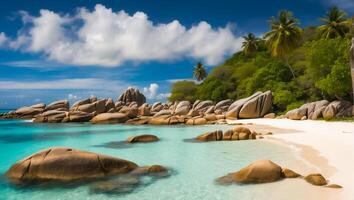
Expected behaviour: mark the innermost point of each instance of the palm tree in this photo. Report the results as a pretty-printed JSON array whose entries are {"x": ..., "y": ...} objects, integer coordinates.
[
  {"x": 335, "y": 24},
  {"x": 284, "y": 36},
  {"x": 199, "y": 72},
  {"x": 250, "y": 44},
  {"x": 352, "y": 56}
]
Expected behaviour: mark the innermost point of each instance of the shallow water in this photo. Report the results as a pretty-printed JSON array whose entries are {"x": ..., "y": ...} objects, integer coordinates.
[{"x": 195, "y": 165}]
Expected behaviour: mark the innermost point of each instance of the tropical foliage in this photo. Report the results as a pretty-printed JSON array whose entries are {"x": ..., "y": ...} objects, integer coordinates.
[
  {"x": 321, "y": 65},
  {"x": 335, "y": 24},
  {"x": 284, "y": 34},
  {"x": 250, "y": 44}
]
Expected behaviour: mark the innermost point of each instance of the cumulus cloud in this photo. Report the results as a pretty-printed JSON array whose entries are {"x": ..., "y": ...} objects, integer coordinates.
[
  {"x": 3, "y": 39},
  {"x": 151, "y": 92},
  {"x": 106, "y": 38}
]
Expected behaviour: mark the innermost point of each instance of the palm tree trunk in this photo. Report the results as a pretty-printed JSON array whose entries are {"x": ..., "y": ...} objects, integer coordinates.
[
  {"x": 291, "y": 69},
  {"x": 351, "y": 56},
  {"x": 352, "y": 66}
]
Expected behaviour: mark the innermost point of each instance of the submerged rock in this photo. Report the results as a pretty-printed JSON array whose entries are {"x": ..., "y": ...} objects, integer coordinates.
[
  {"x": 66, "y": 164},
  {"x": 210, "y": 136},
  {"x": 142, "y": 138}
]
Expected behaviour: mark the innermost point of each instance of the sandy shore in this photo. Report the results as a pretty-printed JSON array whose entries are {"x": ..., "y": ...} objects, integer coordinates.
[{"x": 328, "y": 147}]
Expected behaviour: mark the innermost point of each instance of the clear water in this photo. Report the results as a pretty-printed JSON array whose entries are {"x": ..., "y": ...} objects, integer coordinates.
[
  {"x": 195, "y": 165},
  {"x": 5, "y": 110}
]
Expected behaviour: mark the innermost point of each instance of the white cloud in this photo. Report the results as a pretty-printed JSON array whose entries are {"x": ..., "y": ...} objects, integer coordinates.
[
  {"x": 151, "y": 92},
  {"x": 32, "y": 64},
  {"x": 108, "y": 38},
  {"x": 3, "y": 39},
  {"x": 85, "y": 83}
]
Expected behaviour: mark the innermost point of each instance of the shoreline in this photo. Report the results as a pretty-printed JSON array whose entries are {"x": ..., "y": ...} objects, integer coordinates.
[{"x": 327, "y": 147}]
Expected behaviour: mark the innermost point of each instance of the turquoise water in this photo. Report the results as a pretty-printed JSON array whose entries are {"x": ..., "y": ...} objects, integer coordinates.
[
  {"x": 195, "y": 165},
  {"x": 5, "y": 110}
]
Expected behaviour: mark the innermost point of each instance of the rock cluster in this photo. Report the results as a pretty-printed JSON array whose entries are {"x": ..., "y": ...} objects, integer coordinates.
[
  {"x": 322, "y": 109},
  {"x": 238, "y": 133},
  {"x": 266, "y": 171},
  {"x": 132, "y": 109}
]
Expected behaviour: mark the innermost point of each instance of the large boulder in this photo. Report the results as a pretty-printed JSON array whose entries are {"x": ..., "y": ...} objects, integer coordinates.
[
  {"x": 160, "y": 120},
  {"x": 66, "y": 164},
  {"x": 156, "y": 107},
  {"x": 109, "y": 118},
  {"x": 142, "y": 138},
  {"x": 338, "y": 109},
  {"x": 210, "y": 136},
  {"x": 202, "y": 106},
  {"x": 109, "y": 104},
  {"x": 78, "y": 116},
  {"x": 196, "y": 121},
  {"x": 38, "y": 105},
  {"x": 255, "y": 106},
  {"x": 132, "y": 94},
  {"x": 28, "y": 112},
  {"x": 131, "y": 112},
  {"x": 97, "y": 107},
  {"x": 51, "y": 116},
  {"x": 298, "y": 113},
  {"x": 61, "y": 104},
  {"x": 80, "y": 102},
  {"x": 223, "y": 105},
  {"x": 182, "y": 108},
  {"x": 163, "y": 113},
  {"x": 144, "y": 110},
  {"x": 262, "y": 171}
]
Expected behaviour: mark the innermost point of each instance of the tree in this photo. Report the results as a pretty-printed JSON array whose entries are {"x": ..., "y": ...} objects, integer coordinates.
[
  {"x": 335, "y": 24},
  {"x": 284, "y": 36},
  {"x": 183, "y": 90},
  {"x": 199, "y": 72},
  {"x": 250, "y": 44},
  {"x": 352, "y": 58}
]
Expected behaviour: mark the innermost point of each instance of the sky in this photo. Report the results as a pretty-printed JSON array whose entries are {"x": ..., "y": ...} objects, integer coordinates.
[{"x": 51, "y": 50}]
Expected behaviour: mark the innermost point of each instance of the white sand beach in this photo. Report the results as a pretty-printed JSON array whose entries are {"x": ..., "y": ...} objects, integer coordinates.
[{"x": 328, "y": 147}]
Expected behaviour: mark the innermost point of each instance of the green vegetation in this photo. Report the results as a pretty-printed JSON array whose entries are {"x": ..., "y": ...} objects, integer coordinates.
[{"x": 297, "y": 65}]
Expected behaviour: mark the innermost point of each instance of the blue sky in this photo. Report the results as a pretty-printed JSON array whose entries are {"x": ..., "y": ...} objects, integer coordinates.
[{"x": 53, "y": 50}]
